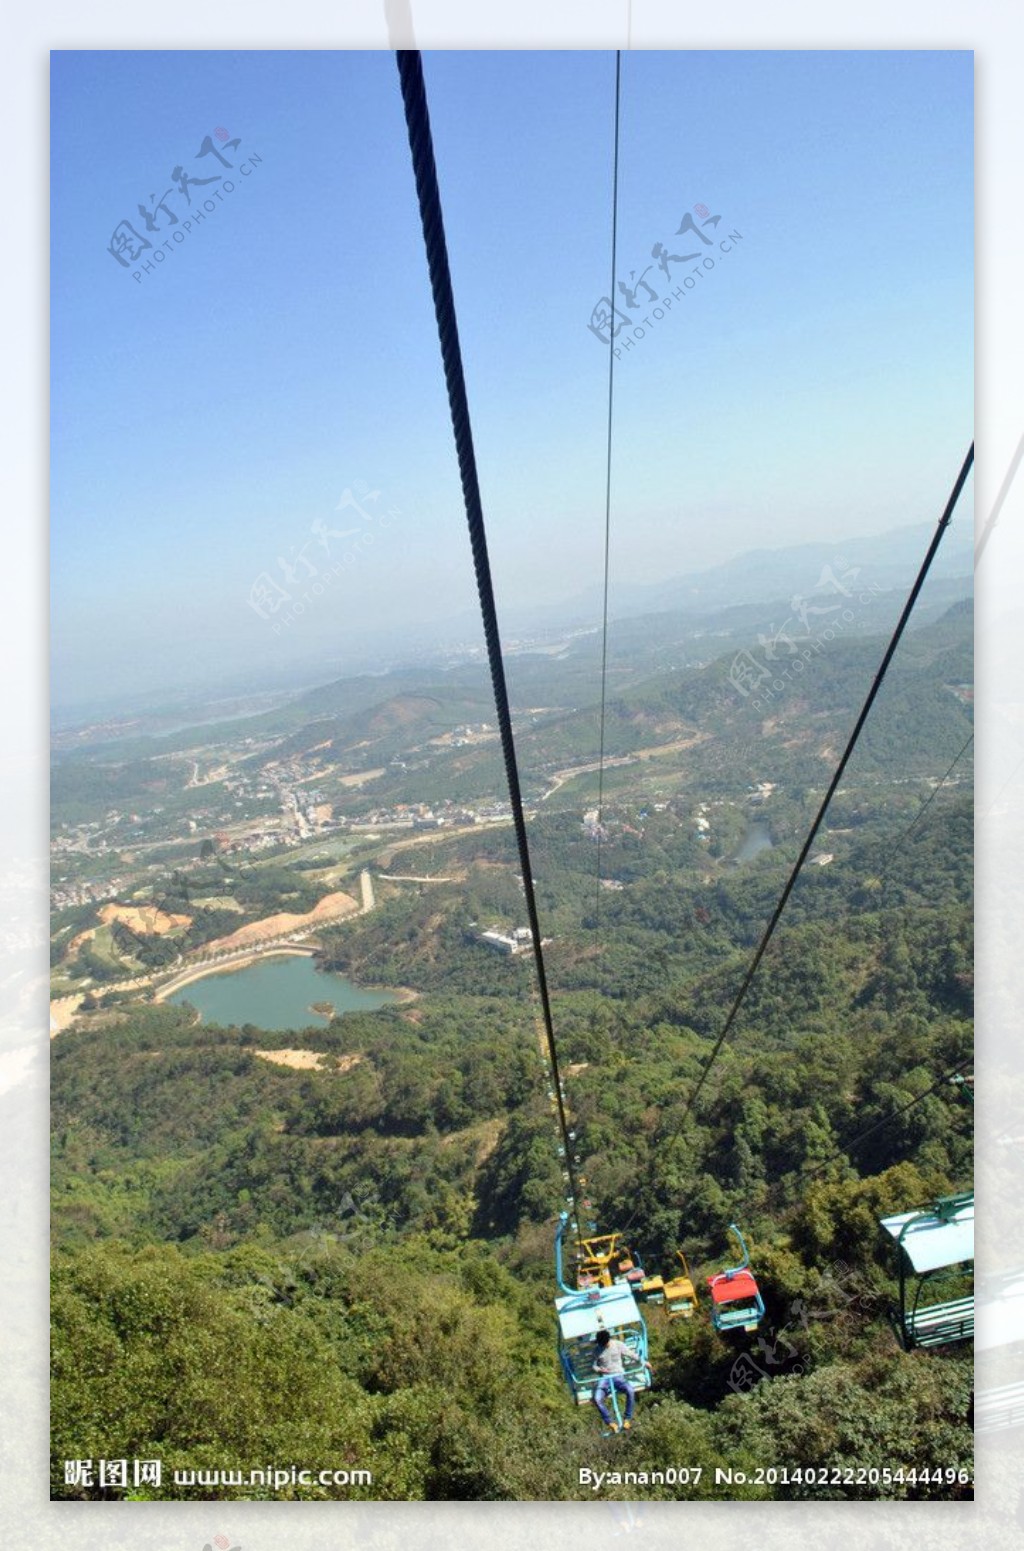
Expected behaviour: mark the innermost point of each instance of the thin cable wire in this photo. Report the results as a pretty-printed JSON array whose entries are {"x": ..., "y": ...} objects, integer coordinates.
[
  {"x": 608, "y": 486},
  {"x": 845, "y": 1148},
  {"x": 923, "y": 809},
  {"x": 807, "y": 1172},
  {"x": 417, "y": 118},
  {"x": 890, "y": 650}
]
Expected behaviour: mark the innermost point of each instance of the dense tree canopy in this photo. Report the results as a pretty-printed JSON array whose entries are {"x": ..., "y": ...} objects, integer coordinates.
[{"x": 350, "y": 1259}]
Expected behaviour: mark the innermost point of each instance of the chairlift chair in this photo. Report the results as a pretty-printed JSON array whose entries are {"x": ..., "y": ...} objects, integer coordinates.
[
  {"x": 581, "y": 1314},
  {"x": 933, "y": 1244},
  {"x": 651, "y": 1290},
  {"x": 605, "y": 1261},
  {"x": 680, "y": 1295},
  {"x": 736, "y": 1302}
]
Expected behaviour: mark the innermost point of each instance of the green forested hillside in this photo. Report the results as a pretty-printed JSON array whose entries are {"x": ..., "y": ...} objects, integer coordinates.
[
  {"x": 656, "y": 694},
  {"x": 254, "y": 1261},
  {"x": 336, "y": 1242}
]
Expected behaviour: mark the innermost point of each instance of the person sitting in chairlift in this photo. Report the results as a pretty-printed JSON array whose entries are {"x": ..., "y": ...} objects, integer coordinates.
[{"x": 610, "y": 1364}]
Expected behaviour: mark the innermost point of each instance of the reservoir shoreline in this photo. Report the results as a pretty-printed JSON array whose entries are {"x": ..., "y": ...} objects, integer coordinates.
[
  {"x": 226, "y": 967},
  {"x": 281, "y": 987}
]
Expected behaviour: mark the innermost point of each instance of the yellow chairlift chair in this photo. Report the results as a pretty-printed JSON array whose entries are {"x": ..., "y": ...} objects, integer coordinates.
[{"x": 680, "y": 1296}]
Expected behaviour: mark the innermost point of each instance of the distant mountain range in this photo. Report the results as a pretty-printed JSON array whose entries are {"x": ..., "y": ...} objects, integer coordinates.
[
  {"x": 886, "y": 560},
  {"x": 750, "y": 592},
  {"x": 918, "y": 724}
]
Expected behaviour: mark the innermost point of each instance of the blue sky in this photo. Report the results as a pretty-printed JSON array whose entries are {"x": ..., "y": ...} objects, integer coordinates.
[{"x": 816, "y": 384}]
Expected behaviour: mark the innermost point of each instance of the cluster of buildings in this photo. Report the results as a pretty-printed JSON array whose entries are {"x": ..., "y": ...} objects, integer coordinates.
[
  {"x": 301, "y": 814},
  {"x": 254, "y": 840},
  {"x": 75, "y": 840},
  {"x": 305, "y": 813},
  {"x": 462, "y": 737},
  {"x": 85, "y": 892},
  {"x": 423, "y": 816}
]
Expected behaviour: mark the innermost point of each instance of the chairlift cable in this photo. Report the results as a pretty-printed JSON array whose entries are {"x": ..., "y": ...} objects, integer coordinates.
[
  {"x": 418, "y": 125},
  {"x": 608, "y": 486},
  {"x": 844, "y": 1149},
  {"x": 858, "y": 728},
  {"x": 417, "y": 118},
  {"x": 923, "y": 809}
]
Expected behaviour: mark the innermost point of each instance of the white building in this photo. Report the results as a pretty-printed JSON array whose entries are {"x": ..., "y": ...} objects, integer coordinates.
[{"x": 520, "y": 940}]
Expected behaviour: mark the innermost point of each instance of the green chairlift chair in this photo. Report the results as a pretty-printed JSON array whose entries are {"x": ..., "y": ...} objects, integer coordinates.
[{"x": 930, "y": 1242}]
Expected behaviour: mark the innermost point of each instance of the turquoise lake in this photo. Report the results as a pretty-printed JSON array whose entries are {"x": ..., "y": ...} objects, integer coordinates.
[{"x": 276, "y": 993}]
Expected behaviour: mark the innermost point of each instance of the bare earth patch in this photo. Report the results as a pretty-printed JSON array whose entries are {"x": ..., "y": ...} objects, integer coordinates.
[
  {"x": 147, "y": 919},
  {"x": 76, "y": 942},
  {"x": 333, "y": 907},
  {"x": 485, "y": 1133},
  {"x": 304, "y": 1060},
  {"x": 361, "y": 777},
  {"x": 308, "y": 1060},
  {"x": 62, "y": 1012}
]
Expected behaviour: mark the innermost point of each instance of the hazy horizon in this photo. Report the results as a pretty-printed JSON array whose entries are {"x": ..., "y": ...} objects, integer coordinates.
[
  {"x": 418, "y": 643},
  {"x": 263, "y": 411}
]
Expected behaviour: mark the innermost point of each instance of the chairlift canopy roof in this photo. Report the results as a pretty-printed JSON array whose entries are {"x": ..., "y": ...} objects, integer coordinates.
[
  {"x": 732, "y": 1289},
  {"x": 580, "y": 1314},
  {"x": 933, "y": 1241}
]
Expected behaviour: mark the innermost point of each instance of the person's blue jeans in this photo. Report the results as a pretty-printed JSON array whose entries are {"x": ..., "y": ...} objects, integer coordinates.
[{"x": 609, "y": 1382}]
